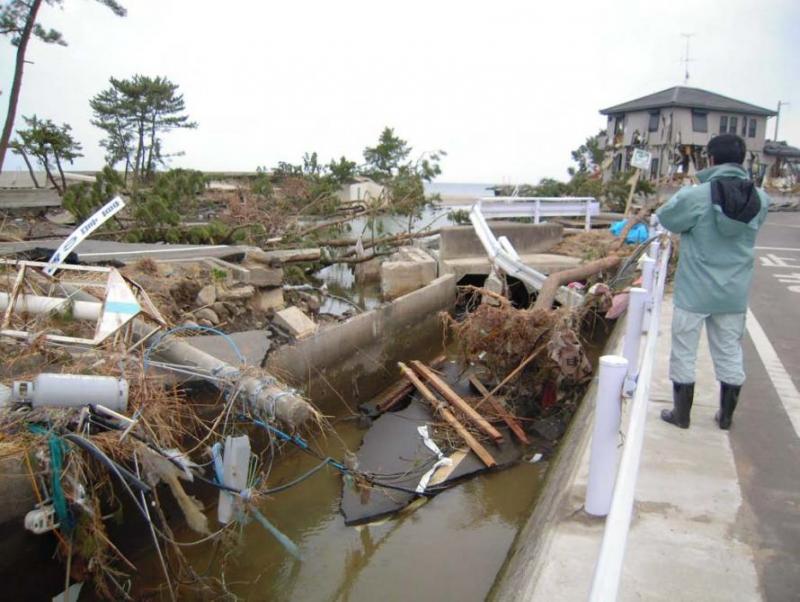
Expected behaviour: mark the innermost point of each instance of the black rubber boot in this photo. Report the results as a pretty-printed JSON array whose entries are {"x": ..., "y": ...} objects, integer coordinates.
[
  {"x": 682, "y": 396},
  {"x": 728, "y": 398}
]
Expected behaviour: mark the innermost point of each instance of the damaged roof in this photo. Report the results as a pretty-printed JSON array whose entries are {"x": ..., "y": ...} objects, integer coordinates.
[
  {"x": 781, "y": 149},
  {"x": 692, "y": 98}
]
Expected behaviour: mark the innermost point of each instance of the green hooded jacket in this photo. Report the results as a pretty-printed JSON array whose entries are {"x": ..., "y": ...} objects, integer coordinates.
[{"x": 718, "y": 221}]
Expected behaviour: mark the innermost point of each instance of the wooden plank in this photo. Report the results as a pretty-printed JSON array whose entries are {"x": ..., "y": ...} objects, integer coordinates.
[
  {"x": 451, "y": 396},
  {"x": 12, "y": 298},
  {"x": 500, "y": 409},
  {"x": 441, "y": 409},
  {"x": 399, "y": 390}
]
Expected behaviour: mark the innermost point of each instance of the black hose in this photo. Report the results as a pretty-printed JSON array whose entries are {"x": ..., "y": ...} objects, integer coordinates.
[{"x": 107, "y": 462}]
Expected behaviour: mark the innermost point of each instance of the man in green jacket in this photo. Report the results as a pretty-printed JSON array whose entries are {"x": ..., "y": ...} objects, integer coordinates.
[{"x": 717, "y": 221}]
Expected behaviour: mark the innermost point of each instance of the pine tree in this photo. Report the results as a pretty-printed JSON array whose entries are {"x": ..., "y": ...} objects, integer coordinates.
[
  {"x": 51, "y": 145},
  {"x": 18, "y": 19},
  {"x": 134, "y": 113}
]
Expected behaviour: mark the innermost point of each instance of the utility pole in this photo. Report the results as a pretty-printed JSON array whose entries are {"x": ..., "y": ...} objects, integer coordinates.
[
  {"x": 781, "y": 103},
  {"x": 686, "y": 60}
]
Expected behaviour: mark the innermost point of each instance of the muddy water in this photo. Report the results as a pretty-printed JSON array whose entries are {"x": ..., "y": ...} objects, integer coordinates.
[{"x": 451, "y": 547}]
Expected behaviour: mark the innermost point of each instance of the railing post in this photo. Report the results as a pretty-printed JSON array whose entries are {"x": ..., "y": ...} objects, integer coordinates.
[
  {"x": 536, "y": 212},
  {"x": 648, "y": 280},
  {"x": 633, "y": 337},
  {"x": 588, "y": 225},
  {"x": 605, "y": 451}
]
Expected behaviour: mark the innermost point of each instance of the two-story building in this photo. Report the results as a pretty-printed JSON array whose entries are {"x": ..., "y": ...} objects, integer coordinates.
[{"x": 676, "y": 124}]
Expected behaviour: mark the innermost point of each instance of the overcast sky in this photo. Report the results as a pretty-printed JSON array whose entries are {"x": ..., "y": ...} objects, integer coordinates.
[{"x": 506, "y": 88}]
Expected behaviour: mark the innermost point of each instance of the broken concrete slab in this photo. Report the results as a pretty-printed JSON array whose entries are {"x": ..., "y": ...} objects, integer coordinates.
[
  {"x": 295, "y": 322},
  {"x": 252, "y": 344},
  {"x": 206, "y": 313},
  {"x": 408, "y": 269},
  {"x": 282, "y": 256},
  {"x": 236, "y": 293},
  {"x": 261, "y": 274},
  {"x": 393, "y": 446}
]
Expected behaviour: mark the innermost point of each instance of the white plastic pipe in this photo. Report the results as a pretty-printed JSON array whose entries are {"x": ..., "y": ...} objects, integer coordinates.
[
  {"x": 605, "y": 451},
  {"x": 648, "y": 273},
  {"x": 633, "y": 337},
  {"x": 652, "y": 249},
  {"x": 73, "y": 390},
  {"x": 38, "y": 304}
]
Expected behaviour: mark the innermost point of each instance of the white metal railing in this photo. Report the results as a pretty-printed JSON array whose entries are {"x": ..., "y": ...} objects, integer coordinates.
[
  {"x": 617, "y": 502},
  {"x": 504, "y": 257},
  {"x": 538, "y": 207}
]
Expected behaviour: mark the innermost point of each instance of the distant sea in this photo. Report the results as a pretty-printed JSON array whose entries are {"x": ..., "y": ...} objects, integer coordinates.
[{"x": 459, "y": 189}]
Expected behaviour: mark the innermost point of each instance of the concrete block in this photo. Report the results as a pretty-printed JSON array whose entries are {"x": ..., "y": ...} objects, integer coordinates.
[
  {"x": 268, "y": 299},
  {"x": 408, "y": 270},
  {"x": 461, "y": 241},
  {"x": 295, "y": 322},
  {"x": 368, "y": 271},
  {"x": 262, "y": 274}
]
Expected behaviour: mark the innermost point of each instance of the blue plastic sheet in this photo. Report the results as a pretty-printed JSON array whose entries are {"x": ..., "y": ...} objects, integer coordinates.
[{"x": 636, "y": 235}]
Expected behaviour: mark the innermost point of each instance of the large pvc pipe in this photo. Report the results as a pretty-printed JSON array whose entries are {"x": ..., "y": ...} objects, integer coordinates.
[
  {"x": 633, "y": 337},
  {"x": 73, "y": 390},
  {"x": 37, "y": 304},
  {"x": 605, "y": 451},
  {"x": 648, "y": 273}
]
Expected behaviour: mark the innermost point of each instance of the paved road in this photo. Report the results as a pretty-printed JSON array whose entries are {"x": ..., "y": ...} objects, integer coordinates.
[{"x": 766, "y": 434}]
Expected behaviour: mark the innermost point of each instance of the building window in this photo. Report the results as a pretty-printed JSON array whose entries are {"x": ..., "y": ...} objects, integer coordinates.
[
  {"x": 744, "y": 126},
  {"x": 654, "y": 169},
  {"x": 734, "y": 121},
  {"x": 700, "y": 121},
  {"x": 751, "y": 132},
  {"x": 654, "y": 119},
  {"x": 723, "y": 124}
]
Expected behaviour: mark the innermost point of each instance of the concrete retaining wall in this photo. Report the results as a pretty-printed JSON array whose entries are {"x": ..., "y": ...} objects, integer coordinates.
[
  {"x": 357, "y": 359},
  {"x": 529, "y": 550},
  {"x": 461, "y": 241}
]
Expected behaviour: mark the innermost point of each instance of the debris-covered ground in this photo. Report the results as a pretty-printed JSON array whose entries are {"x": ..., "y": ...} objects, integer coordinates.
[{"x": 200, "y": 428}]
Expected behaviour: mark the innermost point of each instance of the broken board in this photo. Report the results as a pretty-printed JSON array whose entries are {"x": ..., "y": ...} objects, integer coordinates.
[{"x": 394, "y": 452}]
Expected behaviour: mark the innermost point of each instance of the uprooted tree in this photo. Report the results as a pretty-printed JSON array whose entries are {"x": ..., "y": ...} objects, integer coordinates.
[
  {"x": 51, "y": 145},
  {"x": 18, "y": 19},
  {"x": 134, "y": 114}
]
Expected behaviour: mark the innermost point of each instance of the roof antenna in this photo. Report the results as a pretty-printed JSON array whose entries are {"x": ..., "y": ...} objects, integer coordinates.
[{"x": 686, "y": 60}]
